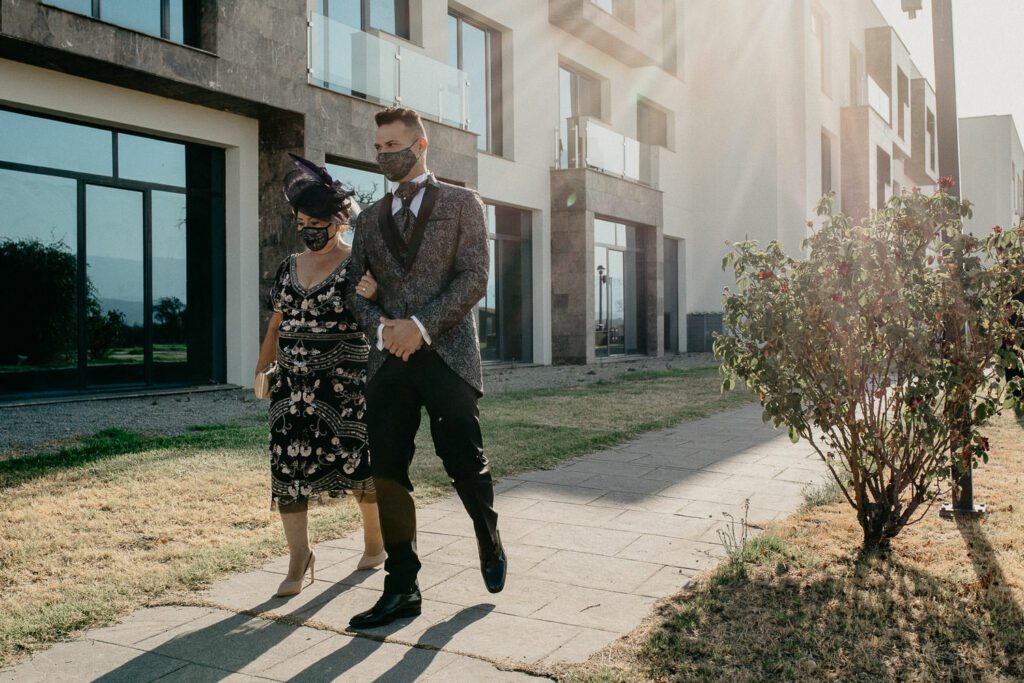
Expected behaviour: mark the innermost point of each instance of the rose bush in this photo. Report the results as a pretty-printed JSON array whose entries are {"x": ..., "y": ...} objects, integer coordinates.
[{"x": 887, "y": 348}]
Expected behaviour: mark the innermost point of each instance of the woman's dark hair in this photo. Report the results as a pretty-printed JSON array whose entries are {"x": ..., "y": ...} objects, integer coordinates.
[{"x": 324, "y": 202}]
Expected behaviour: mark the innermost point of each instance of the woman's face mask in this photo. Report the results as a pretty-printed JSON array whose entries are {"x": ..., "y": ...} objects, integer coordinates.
[
  {"x": 316, "y": 235},
  {"x": 397, "y": 165}
]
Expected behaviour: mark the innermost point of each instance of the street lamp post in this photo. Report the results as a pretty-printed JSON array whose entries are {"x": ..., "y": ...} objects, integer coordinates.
[{"x": 949, "y": 166}]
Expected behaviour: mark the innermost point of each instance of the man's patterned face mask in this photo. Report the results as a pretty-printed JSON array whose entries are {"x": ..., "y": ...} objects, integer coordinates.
[{"x": 396, "y": 165}]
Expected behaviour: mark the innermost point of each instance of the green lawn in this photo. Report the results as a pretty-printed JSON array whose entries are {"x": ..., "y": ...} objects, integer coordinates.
[{"x": 123, "y": 519}]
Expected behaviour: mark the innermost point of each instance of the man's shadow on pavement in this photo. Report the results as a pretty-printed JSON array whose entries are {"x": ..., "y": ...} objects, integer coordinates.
[
  {"x": 234, "y": 642},
  {"x": 414, "y": 662}
]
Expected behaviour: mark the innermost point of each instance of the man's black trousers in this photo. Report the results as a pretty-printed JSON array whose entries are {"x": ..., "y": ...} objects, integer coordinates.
[{"x": 395, "y": 397}]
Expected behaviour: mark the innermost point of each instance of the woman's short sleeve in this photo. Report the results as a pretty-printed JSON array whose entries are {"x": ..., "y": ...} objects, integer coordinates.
[{"x": 277, "y": 289}]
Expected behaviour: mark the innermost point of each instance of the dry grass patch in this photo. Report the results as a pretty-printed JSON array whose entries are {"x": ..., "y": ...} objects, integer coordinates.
[
  {"x": 804, "y": 605},
  {"x": 94, "y": 531}
]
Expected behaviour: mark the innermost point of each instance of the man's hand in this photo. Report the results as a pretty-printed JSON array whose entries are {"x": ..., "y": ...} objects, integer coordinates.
[{"x": 401, "y": 337}]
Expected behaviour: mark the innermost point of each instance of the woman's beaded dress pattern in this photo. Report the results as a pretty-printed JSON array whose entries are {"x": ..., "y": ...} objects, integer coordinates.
[{"x": 318, "y": 441}]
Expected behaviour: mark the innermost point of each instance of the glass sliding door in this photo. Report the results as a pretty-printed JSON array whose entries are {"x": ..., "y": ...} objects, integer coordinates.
[
  {"x": 618, "y": 316},
  {"x": 170, "y": 284},
  {"x": 505, "y": 313}
]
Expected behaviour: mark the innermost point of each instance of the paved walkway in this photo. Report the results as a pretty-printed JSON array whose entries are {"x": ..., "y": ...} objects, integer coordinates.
[{"x": 592, "y": 545}]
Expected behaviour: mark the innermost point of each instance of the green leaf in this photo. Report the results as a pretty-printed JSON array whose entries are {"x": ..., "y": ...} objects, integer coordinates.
[{"x": 794, "y": 434}]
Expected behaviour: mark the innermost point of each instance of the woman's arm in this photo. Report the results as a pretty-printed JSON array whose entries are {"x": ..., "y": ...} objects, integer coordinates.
[{"x": 268, "y": 349}]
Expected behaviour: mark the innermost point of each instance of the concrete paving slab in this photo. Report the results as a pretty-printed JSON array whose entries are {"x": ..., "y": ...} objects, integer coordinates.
[
  {"x": 89, "y": 660},
  {"x": 598, "y": 609},
  {"x": 585, "y": 539}
]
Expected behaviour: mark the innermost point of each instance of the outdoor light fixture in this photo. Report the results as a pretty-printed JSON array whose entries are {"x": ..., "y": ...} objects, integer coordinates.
[{"x": 911, "y": 7}]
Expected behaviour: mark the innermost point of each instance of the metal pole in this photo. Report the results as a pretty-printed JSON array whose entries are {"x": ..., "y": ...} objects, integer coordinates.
[{"x": 947, "y": 125}]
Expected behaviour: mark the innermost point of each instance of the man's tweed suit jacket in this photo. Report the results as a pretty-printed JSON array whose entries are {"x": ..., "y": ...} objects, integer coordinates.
[{"x": 442, "y": 280}]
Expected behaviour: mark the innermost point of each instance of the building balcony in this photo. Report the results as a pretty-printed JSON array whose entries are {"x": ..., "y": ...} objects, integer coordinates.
[
  {"x": 614, "y": 27},
  {"x": 345, "y": 59},
  {"x": 923, "y": 166},
  {"x": 867, "y": 154},
  {"x": 583, "y": 142}
]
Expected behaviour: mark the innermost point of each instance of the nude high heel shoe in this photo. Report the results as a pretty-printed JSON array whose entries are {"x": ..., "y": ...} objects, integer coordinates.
[
  {"x": 371, "y": 561},
  {"x": 289, "y": 588}
]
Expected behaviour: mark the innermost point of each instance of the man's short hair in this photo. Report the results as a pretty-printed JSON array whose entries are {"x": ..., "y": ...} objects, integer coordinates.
[{"x": 410, "y": 117}]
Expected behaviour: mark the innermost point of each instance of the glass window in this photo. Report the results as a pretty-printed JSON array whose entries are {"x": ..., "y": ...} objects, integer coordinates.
[
  {"x": 79, "y": 6},
  {"x": 475, "y": 50},
  {"x": 651, "y": 125},
  {"x": 44, "y": 142},
  {"x": 170, "y": 277},
  {"x": 150, "y": 160},
  {"x": 826, "y": 163},
  {"x": 607, "y": 5},
  {"x": 369, "y": 186},
  {"x": 617, "y": 281},
  {"x": 115, "y": 334},
  {"x": 129, "y": 316},
  {"x": 39, "y": 252},
  {"x": 505, "y": 313},
  {"x": 141, "y": 15},
  {"x": 390, "y": 15},
  {"x": 145, "y": 16}
]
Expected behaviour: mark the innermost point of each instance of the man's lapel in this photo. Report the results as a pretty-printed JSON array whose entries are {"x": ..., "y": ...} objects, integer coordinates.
[{"x": 388, "y": 230}]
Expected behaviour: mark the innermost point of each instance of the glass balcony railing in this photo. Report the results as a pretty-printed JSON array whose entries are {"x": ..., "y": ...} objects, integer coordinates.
[
  {"x": 879, "y": 100},
  {"x": 584, "y": 143},
  {"x": 351, "y": 61}
]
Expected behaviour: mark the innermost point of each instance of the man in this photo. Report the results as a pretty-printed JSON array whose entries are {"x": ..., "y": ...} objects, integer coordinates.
[{"x": 426, "y": 244}]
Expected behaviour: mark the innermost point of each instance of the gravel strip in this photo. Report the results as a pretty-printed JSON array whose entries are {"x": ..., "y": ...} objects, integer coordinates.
[{"x": 35, "y": 428}]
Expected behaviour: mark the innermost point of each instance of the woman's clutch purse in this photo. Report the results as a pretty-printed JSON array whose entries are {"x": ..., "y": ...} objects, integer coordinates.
[{"x": 263, "y": 379}]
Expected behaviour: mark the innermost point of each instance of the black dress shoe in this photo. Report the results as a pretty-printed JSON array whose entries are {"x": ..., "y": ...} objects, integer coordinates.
[
  {"x": 493, "y": 565},
  {"x": 391, "y": 606}
]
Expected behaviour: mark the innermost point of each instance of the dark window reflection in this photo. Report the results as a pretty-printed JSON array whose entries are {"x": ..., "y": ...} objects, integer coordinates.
[
  {"x": 143, "y": 302},
  {"x": 505, "y": 314},
  {"x": 38, "y": 259}
]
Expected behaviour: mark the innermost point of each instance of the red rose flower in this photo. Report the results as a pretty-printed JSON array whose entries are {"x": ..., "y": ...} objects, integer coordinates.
[
  {"x": 946, "y": 182},
  {"x": 915, "y": 189},
  {"x": 765, "y": 274},
  {"x": 784, "y": 286},
  {"x": 844, "y": 269},
  {"x": 984, "y": 442},
  {"x": 997, "y": 230}
]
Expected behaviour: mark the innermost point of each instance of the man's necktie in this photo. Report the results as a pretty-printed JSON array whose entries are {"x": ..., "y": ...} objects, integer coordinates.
[{"x": 404, "y": 217}]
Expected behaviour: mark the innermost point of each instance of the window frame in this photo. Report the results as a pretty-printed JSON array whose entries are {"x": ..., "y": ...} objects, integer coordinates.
[
  {"x": 493, "y": 86},
  {"x": 190, "y": 11}
]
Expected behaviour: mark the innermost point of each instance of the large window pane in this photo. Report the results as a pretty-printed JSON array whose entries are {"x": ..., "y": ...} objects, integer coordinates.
[
  {"x": 36, "y": 141},
  {"x": 475, "y": 63},
  {"x": 151, "y": 161},
  {"x": 453, "y": 41},
  {"x": 116, "y": 300},
  {"x": 177, "y": 19},
  {"x": 170, "y": 278},
  {"x": 141, "y": 15},
  {"x": 349, "y": 12},
  {"x": 38, "y": 259}
]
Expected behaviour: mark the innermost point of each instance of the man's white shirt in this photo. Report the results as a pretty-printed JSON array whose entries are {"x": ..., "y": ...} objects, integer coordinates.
[{"x": 414, "y": 206}]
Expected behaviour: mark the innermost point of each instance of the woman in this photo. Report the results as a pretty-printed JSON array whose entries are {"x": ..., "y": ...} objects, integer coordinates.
[{"x": 317, "y": 425}]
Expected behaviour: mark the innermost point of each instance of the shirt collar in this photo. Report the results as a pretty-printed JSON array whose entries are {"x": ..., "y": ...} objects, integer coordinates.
[{"x": 392, "y": 185}]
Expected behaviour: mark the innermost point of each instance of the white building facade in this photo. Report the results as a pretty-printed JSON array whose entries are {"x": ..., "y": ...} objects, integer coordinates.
[{"x": 991, "y": 171}]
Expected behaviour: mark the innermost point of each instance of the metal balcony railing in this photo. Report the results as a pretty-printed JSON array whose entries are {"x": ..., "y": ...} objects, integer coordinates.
[
  {"x": 348, "y": 60},
  {"x": 581, "y": 142}
]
